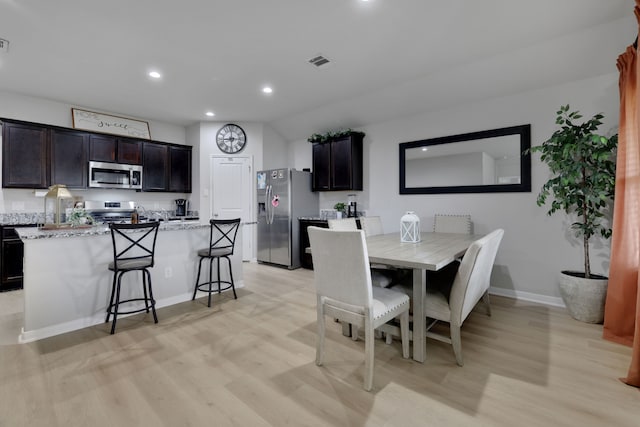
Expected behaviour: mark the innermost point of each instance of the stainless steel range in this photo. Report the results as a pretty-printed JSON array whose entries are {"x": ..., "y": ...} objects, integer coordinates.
[{"x": 108, "y": 212}]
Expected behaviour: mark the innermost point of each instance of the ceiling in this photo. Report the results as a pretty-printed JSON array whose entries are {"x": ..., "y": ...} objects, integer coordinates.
[{"x": 389, "y": 58}]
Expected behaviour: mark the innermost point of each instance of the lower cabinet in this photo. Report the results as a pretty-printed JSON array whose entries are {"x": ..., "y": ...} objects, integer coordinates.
[{"x": 306, "y": 261}]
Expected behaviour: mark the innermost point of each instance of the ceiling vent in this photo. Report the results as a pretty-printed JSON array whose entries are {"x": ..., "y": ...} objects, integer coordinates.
[
  {"x": 319, "y": 61},
  {"x": 4, "y": 45}
]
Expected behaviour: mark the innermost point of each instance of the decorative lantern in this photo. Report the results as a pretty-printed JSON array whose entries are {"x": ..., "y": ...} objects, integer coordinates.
[
  {"x": 410, "y": 228},
  {"x": 54, "y": 205}
]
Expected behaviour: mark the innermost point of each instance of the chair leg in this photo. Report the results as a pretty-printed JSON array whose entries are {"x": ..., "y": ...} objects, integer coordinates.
[
  {"x": 113, "y": 293},
  {"x": 153, "y": 301},
  {"x": 210, "y": 280},
  {"x": 404, "y": 333},
  {"x": 369, "y": 344},
  {"x": 115, "y": 307},
  {"x": 487, "y": 303},
  {"x": 195, "y": 289},
  {"x": 321, "y": 332},
  {"x": 456, "y": 343},
  {"x": 233, "y": 287},
  {"x": 144, "y": 289},
  {"x": 218, "y": 271}
]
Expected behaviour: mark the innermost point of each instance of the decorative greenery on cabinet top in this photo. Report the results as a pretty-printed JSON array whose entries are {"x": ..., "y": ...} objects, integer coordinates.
[{"x": 333, "y": 135}]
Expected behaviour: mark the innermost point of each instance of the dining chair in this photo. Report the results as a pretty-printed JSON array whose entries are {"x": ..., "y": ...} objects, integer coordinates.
[
  {"x": 343, "y": 224},
  {"x": 134, "y": 248},
  {"x": 452, "y": 223},
  {"x": 344, "y": 291},
  {"x": 453, "y": 304},
  {"x": 379, "y": 278},
  {"x": 372, "y": 225},
  {"x": 222, "y": 240}
]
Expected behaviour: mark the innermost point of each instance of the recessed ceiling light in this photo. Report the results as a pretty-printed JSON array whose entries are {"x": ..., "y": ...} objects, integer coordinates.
[
  {"x": 210, "y": 113},
  {"x": 155, "y": 74},
  {"x": 267, "y": 90},
  {"x": 424, "y": 148}
]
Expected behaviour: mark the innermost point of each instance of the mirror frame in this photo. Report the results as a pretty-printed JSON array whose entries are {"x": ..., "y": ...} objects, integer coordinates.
[{"x": 525, "y": 162}]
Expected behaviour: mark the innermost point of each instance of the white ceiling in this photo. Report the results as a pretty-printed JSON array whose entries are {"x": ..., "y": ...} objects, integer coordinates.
[{"x": 390, "y": 58}]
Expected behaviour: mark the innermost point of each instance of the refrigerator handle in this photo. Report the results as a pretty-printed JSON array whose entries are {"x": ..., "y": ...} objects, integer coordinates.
[
  {"x": 271, "y": 207},
  {"x": 267, "y": 204}
]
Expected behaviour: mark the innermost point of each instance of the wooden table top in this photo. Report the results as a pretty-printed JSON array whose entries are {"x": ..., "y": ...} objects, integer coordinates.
[{"x": 433, "y": 252}]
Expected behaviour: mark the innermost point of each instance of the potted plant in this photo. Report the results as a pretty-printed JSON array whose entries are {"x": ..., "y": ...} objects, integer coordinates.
[
  {"x": 340, "y": 208},
  {"x": 582, "y": 164}
]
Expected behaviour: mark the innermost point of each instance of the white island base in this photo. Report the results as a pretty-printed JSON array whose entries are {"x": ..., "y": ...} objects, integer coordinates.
[{"x": 67, "y": 283}]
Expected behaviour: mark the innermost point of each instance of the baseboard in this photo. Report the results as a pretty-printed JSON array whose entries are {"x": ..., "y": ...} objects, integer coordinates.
[
  {"x": 62, "y": 328},
  {"x": 527, "y": 296}
]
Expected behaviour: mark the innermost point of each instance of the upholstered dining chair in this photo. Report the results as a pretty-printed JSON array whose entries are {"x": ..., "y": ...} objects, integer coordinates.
[
  {"x": 344, "y": 291},
  {"x": 372, "y": 225},
  {"x": 343, "y": 224},
  {"x": 452, "y": 223},
  {"x": 471, "y": 283}
]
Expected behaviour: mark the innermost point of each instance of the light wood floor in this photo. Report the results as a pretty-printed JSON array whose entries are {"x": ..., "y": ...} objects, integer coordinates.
[{"x": 250, "y": 362}]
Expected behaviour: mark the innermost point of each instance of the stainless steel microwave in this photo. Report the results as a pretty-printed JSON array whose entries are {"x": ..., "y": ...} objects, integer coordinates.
[{"x": 115, "y": 175}]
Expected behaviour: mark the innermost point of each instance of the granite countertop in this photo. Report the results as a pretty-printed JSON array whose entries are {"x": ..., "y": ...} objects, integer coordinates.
[{"x": 32, "y": 233}]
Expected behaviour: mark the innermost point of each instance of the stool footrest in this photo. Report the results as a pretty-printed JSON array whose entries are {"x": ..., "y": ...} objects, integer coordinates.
[
  {"x": 111, "y": 310},
  {"x": 204, "y": 287}
]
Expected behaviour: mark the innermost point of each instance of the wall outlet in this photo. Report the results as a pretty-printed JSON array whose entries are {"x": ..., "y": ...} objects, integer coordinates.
[{"x": 168, "y": 272}]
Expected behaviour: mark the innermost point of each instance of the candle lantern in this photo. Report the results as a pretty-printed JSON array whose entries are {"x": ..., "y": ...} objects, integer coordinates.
[
  {"x": 410, "y": 228},
  {"x": 54, "y": 205}
]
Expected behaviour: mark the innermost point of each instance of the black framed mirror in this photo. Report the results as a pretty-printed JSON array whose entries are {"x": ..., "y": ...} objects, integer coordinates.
[{"x": 490, "y": 161}]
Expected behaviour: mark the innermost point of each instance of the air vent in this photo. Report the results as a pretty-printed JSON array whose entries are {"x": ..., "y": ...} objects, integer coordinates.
[
  {"x": 4, "y": 45},
  {"x": 319, "y": 61}
]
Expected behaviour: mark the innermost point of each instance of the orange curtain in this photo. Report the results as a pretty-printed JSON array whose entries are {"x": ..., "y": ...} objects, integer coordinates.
[{"x": 622, "y": 309}]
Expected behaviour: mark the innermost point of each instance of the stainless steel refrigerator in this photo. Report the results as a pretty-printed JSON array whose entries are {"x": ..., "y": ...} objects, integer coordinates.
[{"x": 284, "y": 195}]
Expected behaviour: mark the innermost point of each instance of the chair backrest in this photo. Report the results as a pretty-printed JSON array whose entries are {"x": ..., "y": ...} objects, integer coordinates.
[
  {"x": 134, "y": 241},
  {"x": 345, "y": 224},
  {"x": 474, "y": 275},
  {"x": 341, "y": 266},
  {"x": 452, "y": 223},
  {"x": 222, "y": 234},
  {"x": 372, "y": 225}
]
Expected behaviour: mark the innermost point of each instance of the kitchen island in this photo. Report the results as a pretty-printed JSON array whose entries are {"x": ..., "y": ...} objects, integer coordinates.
[{"x": 67, "y": 283}]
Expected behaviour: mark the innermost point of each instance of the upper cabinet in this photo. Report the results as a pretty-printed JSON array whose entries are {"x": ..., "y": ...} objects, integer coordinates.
[
  {"x": 180, "y": 169},
  {"x": 69, "y": 152},
  {"x": 25, "y": 156},
  {"x": 106, "y": 148},
  {"x": 337, "y": 164},
  {"x": 37, "y": 156}
]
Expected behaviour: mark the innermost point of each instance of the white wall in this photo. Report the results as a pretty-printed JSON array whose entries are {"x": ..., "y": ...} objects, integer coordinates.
[
  {"x": 535, "y": 247},
  {"x": 38, "y": 110}
]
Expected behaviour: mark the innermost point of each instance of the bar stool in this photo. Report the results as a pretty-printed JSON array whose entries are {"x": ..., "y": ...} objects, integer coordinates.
[
  {"x": 133, "y": 250},
  {"x": 222, "y": 239}
]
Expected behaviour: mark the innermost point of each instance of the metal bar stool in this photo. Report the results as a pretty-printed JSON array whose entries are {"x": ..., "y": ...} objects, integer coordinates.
[
  {"x": 222, "y": 239},
  {"x": 133, "y": 250}
]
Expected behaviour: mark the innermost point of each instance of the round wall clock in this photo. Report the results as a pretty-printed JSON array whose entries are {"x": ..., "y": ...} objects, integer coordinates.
[{"x": 231, "y": 138}]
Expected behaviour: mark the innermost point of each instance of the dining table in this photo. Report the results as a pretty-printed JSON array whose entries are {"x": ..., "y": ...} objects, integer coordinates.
[{"x": 433, "y": 252}]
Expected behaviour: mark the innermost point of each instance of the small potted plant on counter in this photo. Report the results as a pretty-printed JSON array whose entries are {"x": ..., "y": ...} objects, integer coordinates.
[
  {"x": 340, "y": 209},
  {"x": 582, "y": 164}
]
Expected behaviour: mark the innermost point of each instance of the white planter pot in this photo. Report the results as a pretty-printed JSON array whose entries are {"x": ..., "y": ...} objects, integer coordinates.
[{"x": 584, "y": 298}]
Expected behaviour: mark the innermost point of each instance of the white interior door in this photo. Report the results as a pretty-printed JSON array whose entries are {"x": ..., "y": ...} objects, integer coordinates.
[{"x": 232, "y": 189}]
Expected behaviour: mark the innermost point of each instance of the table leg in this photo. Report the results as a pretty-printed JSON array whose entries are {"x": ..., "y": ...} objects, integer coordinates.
[{"x": 419, "y": 291}]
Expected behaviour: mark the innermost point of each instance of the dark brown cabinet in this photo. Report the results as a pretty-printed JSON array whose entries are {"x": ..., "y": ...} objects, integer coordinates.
[
  {"x": 180, "y": 169},
  {"x": 337, "y": 164},
  {"x": 69, "y": 151},
  {"x": 155, "y": 172},
  {"x": 25, "y": 155},
  {"x": 37, "y": 156},
  {"x": 105, "y": 148}
]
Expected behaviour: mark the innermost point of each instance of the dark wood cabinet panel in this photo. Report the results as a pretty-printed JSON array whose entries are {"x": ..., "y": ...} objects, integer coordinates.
[
  {"x": 155, "y": 173},
  {"x": 102, "y": 148},
  {"x": 180, "y": 169},
  {"x": 129, "y": 151},
  {"x": 337, "y": 165},
  {"x": 25, "y": 161},
  {"x": 69, "y": 158},
  {"x": 321, "y": 167}
]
